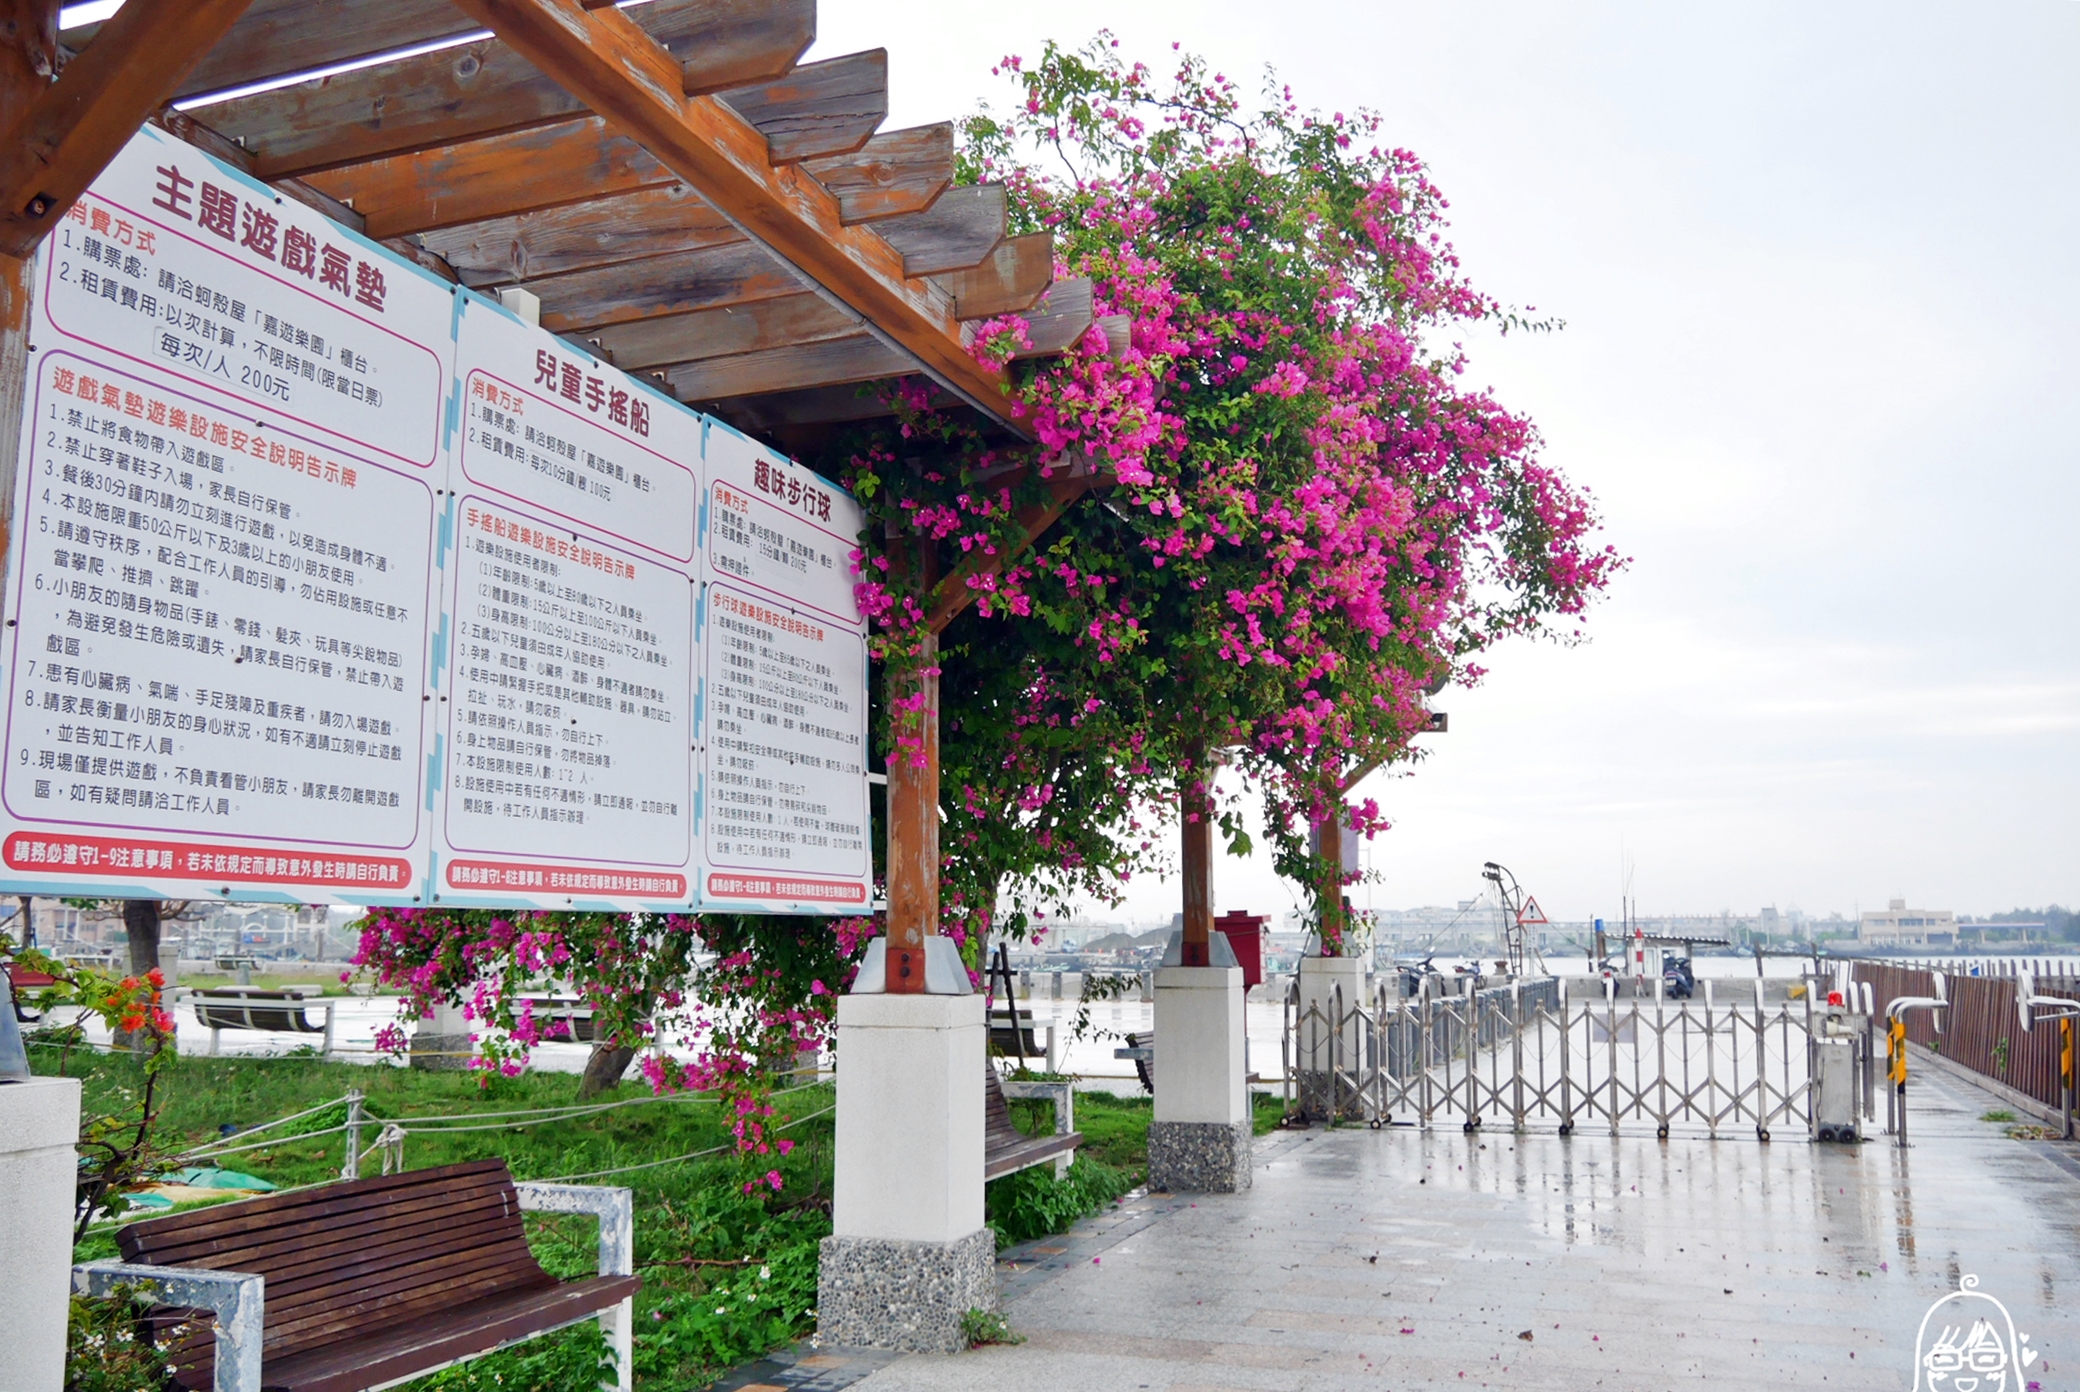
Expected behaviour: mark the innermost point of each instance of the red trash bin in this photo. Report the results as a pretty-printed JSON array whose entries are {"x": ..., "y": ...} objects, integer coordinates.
[{"x": 1245, "y": 934}]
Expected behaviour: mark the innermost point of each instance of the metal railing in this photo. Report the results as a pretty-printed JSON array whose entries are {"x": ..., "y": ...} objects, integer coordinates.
[{"x": 1521, "y": 1053}]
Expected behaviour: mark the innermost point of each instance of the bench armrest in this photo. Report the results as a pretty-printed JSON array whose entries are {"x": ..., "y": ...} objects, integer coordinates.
[
  {"x": 237, "y": 1300},
  {"x": 1063, "y": 1095},
  {"x": 614, "y": 1207}
]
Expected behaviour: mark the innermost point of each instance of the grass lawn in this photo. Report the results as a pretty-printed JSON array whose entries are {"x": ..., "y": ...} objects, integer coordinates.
[{"x": 727, "y": 1274}]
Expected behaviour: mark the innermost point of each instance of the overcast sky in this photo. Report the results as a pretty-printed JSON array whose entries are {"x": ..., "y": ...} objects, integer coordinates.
[{"x": 1818, "y": 267}]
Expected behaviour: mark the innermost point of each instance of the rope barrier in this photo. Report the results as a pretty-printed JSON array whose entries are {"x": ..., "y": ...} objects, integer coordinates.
[{"x": 680, "y": 1159}]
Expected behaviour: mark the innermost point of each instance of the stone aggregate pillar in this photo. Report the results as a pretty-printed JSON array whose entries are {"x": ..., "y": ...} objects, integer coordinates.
[
  {"x": 1199, "y": 1141},
  {"x": 909, "y": 1252}
]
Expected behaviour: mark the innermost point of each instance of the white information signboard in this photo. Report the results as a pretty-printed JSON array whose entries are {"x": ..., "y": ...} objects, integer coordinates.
[
  {"x": 330, "y": 581},
  {"x": 784, "y": 817},
  {"x": 219, "y": 595},
  {"x": 569, "y": 698}
]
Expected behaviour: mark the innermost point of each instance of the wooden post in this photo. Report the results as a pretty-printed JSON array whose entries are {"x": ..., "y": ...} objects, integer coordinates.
[
  {"x": 28, "y": 52},
  {"x": 1195, "y": 812},
  {"x": 1328, "y": 851},
  {"x": 913, "y": 814}
]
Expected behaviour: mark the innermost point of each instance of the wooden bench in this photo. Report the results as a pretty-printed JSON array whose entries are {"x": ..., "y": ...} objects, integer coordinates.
[
  {"x": 359, "y": 1284},
  {"x": 285, "y": 1010},
  {"x": 1005, "y": 1148}
]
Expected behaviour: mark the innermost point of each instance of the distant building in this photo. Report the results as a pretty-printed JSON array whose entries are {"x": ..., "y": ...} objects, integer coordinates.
[{"x": 1899, "y": 926}]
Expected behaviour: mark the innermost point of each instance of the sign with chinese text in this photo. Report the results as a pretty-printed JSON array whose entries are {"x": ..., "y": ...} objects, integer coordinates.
[
  {"x": 224, "y": 522},
  {"x": 569, "y": 699},
  {"x": 783, "y": 656},
  {"x": 333, "y": 582}
]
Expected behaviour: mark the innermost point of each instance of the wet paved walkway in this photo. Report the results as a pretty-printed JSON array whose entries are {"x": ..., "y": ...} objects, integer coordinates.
[{"x": 1404, "y": 1260}]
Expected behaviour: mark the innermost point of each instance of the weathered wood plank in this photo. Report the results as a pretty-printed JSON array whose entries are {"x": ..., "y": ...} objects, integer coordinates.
[
  {"x": 484, "y": 87},
  {"x": 290, "y": 36},
  {"x": 827, "y": 108},
  {"x": 546, "y": 167},
  {"x": 74, "y": 127},
  {"x": 521, "y": 171},
  {"x": 714, "y": 333},
  {"x": 1058, "y": 318},
  {"x": 833, "y": 362},
  {"x": 1009, "y": 279},
  {"x": 896, "y": 173},
  {"x": 735, "y": 273},
  {"x": 580, "y": 236},
  {"x": 955, "y": 233},
  {"x": 605, "y": 59}
]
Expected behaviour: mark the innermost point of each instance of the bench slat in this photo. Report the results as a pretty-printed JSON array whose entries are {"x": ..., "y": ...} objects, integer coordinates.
[
  {"x": 352, "y": 1364},
  {"x": 1005, "y": 1148},
  {"x": 325, "y": 1234},
  {"x": 332, "y": 1201}
]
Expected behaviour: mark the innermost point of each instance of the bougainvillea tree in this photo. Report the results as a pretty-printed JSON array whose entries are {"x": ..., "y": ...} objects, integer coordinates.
[
  {"x": 1312, "y": 521},
  {"x": 1307, "y": 522}
]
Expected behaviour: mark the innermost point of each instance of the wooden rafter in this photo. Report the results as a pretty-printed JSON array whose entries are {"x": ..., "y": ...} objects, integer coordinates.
[
  {"x": 956, "y": 232},
  {"x": 504, "y": 175},
  {"x": 484, "y": 87},
  {"x": 895, "y": 173},
  {"x": 75, "y": 126},
  {"x": 714, "y": 333},
  {"x": 1009, "y": 279},
  {"x": 581, "y": 236},
  {"x": 606, "y": 60}
]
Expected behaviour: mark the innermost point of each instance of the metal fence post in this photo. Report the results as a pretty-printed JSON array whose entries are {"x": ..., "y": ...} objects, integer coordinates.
[{"x": 352, "y": 1169}]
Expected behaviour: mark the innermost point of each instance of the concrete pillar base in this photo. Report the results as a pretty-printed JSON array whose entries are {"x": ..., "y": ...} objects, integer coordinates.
[
  {"x": 877, "y": 1292},
  {"x": 1199, "y": 1157},
  {"x": 39, "y": 1130},
  {"x": 909, "y": 1252},
  {"x": 1199, "y": 1141}
]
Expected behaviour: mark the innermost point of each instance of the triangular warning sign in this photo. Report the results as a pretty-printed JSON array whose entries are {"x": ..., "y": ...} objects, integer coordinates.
[{"x": 1530, "y": 913}]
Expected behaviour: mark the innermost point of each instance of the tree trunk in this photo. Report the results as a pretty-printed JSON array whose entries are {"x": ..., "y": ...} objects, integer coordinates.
[
  {"x": 604, "y": 1069},
  {"x": 141, "y": 927}
]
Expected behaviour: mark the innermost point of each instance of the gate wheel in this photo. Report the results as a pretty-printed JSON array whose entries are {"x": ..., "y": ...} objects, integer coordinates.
[
  {"x": 1567, "y": 1128},
  {"x": 1661, "y": 1133},
  {"x": 1373, "y": 1124},
  {"x": 1762, "y": 1134}
]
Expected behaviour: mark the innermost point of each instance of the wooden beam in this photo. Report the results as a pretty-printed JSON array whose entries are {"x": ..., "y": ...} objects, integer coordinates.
[
  {"x": 965, "y": 225},
  {"x": 482, "y": 88},
  {"x": 827, "y": 108},
  {"x": 715, "y": 333},
  {"x": 826, "y": 363},
  {"x": 581, "y": 236},
  {"x": 547, "y": 167},
  {"x": 619, "y": 73},
  {"x": 897, "y": 172},
  {"x": 75, "y": 126},
  {"x": 1066, "y": 481},
  {"x": 1007, "y": 280},
  {"x": 290, "y": 36},
  {"x": 734, "y": 273}
]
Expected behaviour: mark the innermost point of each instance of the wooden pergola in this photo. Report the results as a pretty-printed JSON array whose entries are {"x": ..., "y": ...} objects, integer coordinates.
[{"x": 684, "y": 198}]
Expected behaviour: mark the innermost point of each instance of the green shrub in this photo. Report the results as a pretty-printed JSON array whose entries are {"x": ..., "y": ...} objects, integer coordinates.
[
  {"x": 738, "y": 1316},
  {"x": 108, "y": 1345},
  {"x": 1033, "y": 1203}
]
